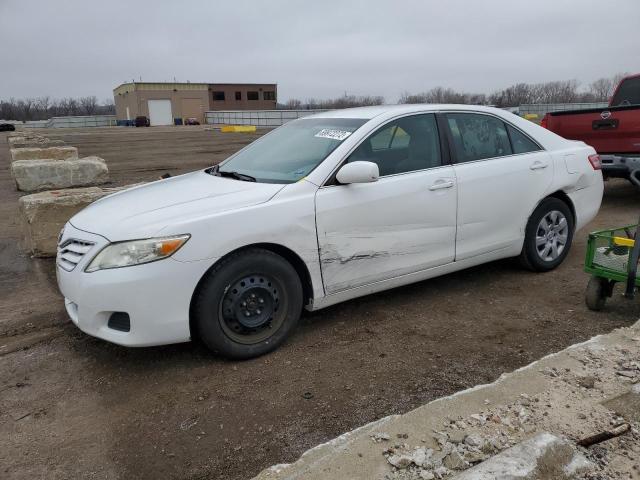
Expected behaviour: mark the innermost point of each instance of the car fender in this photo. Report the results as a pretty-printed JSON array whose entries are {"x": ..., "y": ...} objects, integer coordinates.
[{"x": 287, "y": 220}]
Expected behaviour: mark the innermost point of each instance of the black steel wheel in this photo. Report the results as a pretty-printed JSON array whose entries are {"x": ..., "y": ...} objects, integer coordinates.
[
  {"x": 250, "y": 309},
  {"x": 247, "y": 304}
]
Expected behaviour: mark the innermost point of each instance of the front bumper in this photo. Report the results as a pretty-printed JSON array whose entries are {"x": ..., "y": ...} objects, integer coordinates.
[
  {"x": 156, "y": 296},
  {"x": 619, "y": 166}
]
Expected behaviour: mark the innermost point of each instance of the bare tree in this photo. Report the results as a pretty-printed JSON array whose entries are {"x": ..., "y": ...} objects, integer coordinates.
[
  {"x": 293, "y": 104},
  {"x": 44, "y": 107},
  {"x": 108, "y": 107},
  {"x": 41, "y": 108},
  {"x": 565, "y": 91},
  {"x": 26, "y": 107},
  {"x": 347, "y": 101},
  {"x": 444, "y": 95},
  {"x": 601, "y": 89},
  {"x": 88, "y": 105},
  {"x": 68, "y": 106},
  {"x": 8, "y": 110}
]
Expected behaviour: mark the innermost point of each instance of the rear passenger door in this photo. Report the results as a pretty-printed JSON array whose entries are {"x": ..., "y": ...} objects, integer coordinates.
[{"x": 502, "y": 174}]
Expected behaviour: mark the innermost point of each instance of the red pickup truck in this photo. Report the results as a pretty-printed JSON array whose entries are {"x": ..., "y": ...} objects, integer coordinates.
[{"x": 613, "y": 131}]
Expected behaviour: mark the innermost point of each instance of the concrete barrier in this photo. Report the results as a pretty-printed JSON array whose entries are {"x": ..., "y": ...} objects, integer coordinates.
[
  {"x": 32, "y": 141},
  {"x": 49, "y": 153},
  {"x": 36, "y": 175},
  {"x": 44, "y": 214}
]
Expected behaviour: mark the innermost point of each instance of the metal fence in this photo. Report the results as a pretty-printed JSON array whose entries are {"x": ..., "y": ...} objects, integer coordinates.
[
  {"x": 544, "y": 108},
  {"x": 259, "y": 118},
  {"x": 31, "y": 124},
  {"x": 83, "y": 121},
  {"x": 70, "y": 122}
]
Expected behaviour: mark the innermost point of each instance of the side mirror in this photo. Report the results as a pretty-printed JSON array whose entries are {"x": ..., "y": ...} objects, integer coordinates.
[{"x": 358, "y": 172}]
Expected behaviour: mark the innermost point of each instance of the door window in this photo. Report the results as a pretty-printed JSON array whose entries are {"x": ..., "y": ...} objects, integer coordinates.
[
  {"x": 477, "y": 136},
  {"x": 404, "y": 145},
  {"x": 520, "y": 142}
]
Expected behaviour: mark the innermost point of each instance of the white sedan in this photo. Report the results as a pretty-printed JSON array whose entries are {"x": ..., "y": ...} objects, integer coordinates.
[{"x": 319, "y": 211}]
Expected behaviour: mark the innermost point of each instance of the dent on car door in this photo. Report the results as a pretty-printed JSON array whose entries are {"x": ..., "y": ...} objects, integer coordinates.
[
  {"x": 502, "y": 174},
  {"x": 404, "y": 222}
]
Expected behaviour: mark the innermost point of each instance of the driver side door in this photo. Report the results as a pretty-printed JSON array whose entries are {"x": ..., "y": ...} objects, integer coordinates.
[{"x": 403, "y": 223}]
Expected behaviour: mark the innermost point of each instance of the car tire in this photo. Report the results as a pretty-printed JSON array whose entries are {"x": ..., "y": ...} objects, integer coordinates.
[
  {"x": 548, "y": 236},
  {"x": 248, "y": 304}
]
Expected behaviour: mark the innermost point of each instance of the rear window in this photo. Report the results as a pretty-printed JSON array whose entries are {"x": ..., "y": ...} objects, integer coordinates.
[
  {"x": 628, "y": 93},
  {"x": 520, "y": 142}
]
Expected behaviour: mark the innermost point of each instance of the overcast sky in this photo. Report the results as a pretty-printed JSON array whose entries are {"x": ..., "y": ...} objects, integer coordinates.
[{"x": 318, "y": 49}]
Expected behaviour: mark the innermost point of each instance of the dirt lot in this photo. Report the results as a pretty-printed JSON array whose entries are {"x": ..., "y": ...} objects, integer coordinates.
[{"x": 72, "y": 406}]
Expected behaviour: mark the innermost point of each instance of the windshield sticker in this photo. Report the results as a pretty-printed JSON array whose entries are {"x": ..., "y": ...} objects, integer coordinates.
[{"x": 333, "y": 134}]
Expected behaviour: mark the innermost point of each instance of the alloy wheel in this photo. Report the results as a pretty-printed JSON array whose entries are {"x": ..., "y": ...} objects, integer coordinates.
[{"x": 552, "y": 235}]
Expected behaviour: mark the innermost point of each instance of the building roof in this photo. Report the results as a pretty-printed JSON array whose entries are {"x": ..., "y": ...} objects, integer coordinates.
[{"x": 136, "y": 86}]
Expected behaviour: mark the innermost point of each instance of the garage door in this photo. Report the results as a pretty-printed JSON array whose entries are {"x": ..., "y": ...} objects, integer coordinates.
[
  {"x": 160, "y": 112},
  {"x": 192, "y": 108}
]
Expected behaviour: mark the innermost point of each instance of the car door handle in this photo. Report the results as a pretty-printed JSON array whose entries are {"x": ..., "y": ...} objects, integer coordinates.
[
  {"x": 538, "y": 165},
  {"x": 441, "y": 183}
]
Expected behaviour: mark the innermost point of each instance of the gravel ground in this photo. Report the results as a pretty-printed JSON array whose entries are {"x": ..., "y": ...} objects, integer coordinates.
[{"x": 73, "y": 406}]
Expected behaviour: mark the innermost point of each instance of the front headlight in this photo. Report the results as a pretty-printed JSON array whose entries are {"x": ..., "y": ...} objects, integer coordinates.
[{"x": 136, "y": 252}]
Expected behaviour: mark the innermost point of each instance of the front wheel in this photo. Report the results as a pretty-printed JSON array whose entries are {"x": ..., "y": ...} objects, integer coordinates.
[
  {"x": 548, "y": 236},
  {"x": 248, "y": 304}
]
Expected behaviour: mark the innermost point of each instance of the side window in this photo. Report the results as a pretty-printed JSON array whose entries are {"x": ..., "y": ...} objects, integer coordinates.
[
  {"x": 404, "y": 145},
  {"x": 477, "y": 136},
  {"x": 520, "y": 142},
  {"x": 382, "y": 139}
]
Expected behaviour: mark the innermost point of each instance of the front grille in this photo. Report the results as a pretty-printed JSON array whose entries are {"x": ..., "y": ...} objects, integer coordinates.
[{"x": 71, "y": 251}]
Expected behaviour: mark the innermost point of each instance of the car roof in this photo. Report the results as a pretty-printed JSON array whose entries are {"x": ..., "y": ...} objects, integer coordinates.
[{"x": 371, "y": 112}]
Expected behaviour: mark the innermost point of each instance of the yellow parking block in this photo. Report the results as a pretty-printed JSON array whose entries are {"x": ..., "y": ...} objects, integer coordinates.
[
  {"x": 238, "y": 128},
  {"x": 531, "y": 116}
]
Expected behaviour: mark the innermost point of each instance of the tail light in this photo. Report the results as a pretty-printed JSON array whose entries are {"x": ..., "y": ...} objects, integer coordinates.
[
  {"x": 545, "y": 121},
  {"x": 595, "y": 161}
]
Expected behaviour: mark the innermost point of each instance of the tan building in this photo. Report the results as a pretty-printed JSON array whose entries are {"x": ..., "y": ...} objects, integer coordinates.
[{"x": 164, "y": 103}]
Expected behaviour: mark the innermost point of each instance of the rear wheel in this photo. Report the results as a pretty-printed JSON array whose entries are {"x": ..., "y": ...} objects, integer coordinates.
[
  {"x": 548, "y": 236},
  {"x": 248, "y": 304}
]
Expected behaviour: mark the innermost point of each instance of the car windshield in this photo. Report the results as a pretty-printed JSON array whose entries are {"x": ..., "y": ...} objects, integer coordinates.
[{"x": 290, "y": 152}]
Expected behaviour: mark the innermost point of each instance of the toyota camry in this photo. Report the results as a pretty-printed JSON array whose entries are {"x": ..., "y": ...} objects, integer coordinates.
[{"x": 321, "y": 210}]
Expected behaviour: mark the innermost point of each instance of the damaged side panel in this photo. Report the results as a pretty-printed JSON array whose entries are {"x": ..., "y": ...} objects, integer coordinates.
[{"x": 372, "y": 232}]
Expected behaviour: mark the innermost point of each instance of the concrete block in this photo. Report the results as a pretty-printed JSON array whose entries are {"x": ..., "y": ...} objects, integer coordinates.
[
  {"x": 35, "y": 175},
  {"x": 541, "y": 457},
  {"x": 16, "y": 139},
  {"x": 35, "y": 141},
  {"x": 48, "y": 153},
  {"x": 44, "y": 214}
]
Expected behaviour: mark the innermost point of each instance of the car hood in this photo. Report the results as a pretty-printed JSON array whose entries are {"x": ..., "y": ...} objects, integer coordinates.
[{"x": 148, "y": 210}]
